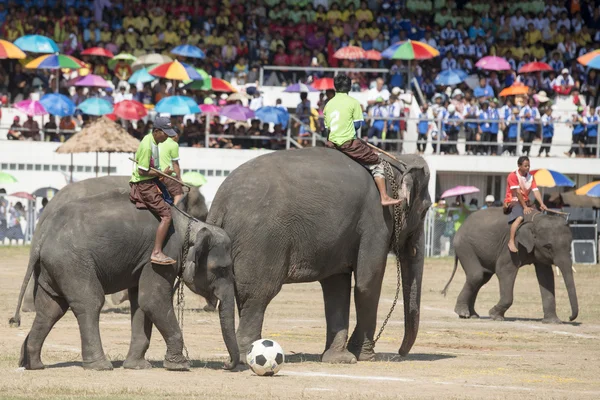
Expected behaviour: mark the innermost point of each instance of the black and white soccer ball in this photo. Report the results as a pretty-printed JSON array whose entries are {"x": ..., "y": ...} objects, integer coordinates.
[{"x": 265, "y": 357}]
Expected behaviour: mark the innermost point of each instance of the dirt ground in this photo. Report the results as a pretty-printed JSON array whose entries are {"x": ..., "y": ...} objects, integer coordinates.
[{"x": 452, "y": 358}]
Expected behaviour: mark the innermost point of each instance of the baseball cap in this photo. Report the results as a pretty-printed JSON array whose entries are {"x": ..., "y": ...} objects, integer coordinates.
[{"x": 164, "y": 124}]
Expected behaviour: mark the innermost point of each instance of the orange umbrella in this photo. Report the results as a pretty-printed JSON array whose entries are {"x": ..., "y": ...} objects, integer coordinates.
[
  {"x": 323, "y": 84},
  {"x": 220, "y": 85},
  {"x": 514, "y": 90}
]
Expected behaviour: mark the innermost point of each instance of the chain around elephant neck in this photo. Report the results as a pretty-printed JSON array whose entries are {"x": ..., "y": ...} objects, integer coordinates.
[{"x": 398, "y": 225}]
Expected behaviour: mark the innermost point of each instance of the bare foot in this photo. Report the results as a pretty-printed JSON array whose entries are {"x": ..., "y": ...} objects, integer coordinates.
[
  {"x": 388, "y": 201},
  {"x": 161, "y": 259},
  {"x": 512, "y": 247}
]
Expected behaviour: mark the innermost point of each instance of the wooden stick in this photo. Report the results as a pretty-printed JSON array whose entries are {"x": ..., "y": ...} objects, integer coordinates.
[
  {"x": 165, "y": 175},
  {"x": 381, "y": 151},
  {"x": 557, "y": 212}
]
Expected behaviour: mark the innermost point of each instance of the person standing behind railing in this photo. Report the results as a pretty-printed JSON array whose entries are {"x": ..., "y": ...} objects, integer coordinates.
[
  {"x": 451, "y": 126},
  {"x": 485, "y": 128},
  {"x": 494, "y": 126},
  {"x": 528, "y": 128},
  {"x": 510, "y": 129},
  {"x": 378, "y": 124},
  {"x": 547, "y": 131},
  {"x": 422, "y": 129},
  {"x": 470, "y": 114},
  {"x": 592, "y": 134},
  {"x": 578, "y": 125}
]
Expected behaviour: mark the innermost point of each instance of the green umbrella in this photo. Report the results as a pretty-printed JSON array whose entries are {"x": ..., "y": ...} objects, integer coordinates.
[
  {"x": 204, "y": 84},
  {"x": 8, "y": 178},
  {"x": 129, "y": 58},
  {"x": 194, "y": 178}
]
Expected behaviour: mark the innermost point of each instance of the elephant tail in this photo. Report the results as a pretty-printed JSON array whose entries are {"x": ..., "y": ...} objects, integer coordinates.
[
  {"x": 34, "y": 260},
  {"x": 451, "y": 276}
]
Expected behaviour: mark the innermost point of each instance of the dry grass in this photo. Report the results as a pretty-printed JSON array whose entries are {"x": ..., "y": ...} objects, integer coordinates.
[{"x": 452, "y": 358}]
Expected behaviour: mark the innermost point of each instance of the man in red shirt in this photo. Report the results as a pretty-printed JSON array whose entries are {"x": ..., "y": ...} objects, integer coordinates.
[{"x": 516, "y": 202}]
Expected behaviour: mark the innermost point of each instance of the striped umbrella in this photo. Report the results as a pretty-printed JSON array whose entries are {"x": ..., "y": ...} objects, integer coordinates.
[
  {"x": 55, "y": 61},
  {"x": 410, "y": 50},
  {"x": 175, "y": 70},
  {"x": 591, "y": 59},
  {"x": 350, "y": 53},
  {"x": 592, "y": 189},
  {"x": 9, "y": 50},
  {"x": 549, "y": 178}
]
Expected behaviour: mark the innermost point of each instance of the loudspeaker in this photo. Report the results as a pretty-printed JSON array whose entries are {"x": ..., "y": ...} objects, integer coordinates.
[
  {"x": 584, "y": 231},
  {"x": 583, "y": 251}
]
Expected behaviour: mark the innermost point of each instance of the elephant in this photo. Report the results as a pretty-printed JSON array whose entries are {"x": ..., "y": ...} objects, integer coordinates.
[
  {"x": 195, "y": 206},
  {"x": 481, "y": 246},
  {"x": 314, "y": 214},
  {"x": 101, "y": 244}
]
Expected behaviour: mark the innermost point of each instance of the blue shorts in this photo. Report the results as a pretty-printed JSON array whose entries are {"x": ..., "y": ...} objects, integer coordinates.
[{"x": 516, "y": 211}]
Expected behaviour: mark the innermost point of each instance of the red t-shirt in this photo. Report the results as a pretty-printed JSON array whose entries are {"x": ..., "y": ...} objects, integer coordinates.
[
  {"x": 525, "y": 184},
  {"x": 281, "y": 59}
]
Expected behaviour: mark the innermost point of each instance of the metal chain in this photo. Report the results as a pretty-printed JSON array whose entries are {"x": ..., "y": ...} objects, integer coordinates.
[
  {"x": 180, "y": 284},
  {"x": 398, "y": 225}
]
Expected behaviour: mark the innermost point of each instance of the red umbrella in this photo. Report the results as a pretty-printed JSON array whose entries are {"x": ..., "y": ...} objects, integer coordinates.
[
  {"x": 534, "y": 67},
  {"x": 97, "y": 51},
  {"x": 350, "y": 53},
  {"x": 23, "y": 195},
  {"x": 220, "y": 85},
  {"x": 372, "y": 55},
  {"x": 323, "y": 84},
  {"x": 111, "y": 116},
  {"x": 130, "y": 109}
]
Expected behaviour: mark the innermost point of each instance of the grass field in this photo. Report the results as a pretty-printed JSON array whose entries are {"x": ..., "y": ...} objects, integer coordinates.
[{"x": 452, "y": 359}]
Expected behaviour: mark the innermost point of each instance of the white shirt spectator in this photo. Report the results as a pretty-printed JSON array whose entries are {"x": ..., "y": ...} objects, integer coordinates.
[
  {"x": 569, "y": 49},
  {"x": 431, "y": 41},
  {"x": 557, "y": 65},
  {"x": 577, "y": 24},
  {"x": 467, "y": 65},
  {"x": 518, "y": 23},
  {"x": 533, "y": 111},
  {"x": 374, "y": 94},
  {"x": 449, "y": 63},
  {"x": 561, "y": 81},
  {"x": 448, "y": 34},
  {"x": 324, "y": 3},
  {"x": 566, "y": 22},
  {"x": 256, "y": 103},
  {"x": 481, "y": 50},
  {"x": 513, "y": 64}
]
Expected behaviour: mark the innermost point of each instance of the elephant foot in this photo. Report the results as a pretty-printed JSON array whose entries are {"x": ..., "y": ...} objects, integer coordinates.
[
  {"x": 32, "y": 366},
  {"x": 496, "y": 315},
  {"x": 364, "y": 352},
  {"x": 100, "y": 365},
  {"x": 209, "y": 308},
  {"x": 176, "y": 363},
  {"x": 552, "y": 320},
  {"x": 137, "y": 364},
  {"x": 462, "y": 311},
  {"x": 474, "y": 315},
  {"x": 338, "y": 357}
]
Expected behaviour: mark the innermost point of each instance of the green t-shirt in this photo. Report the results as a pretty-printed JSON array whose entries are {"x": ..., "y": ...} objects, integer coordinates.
[
  {"x": 147, "y": 156},
  {"x": 169, "y": 152},
  {"x": 340, "y": 114}
]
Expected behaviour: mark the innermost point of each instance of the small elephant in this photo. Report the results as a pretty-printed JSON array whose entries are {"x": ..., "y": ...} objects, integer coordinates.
[{"x": 481, "y": 246}]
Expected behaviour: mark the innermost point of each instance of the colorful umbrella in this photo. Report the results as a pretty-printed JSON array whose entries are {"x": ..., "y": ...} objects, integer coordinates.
[
  {"x": 350, "y": 53},
  {"x": 210, "y": 108},
  {"x": 31, "y": 107},
  {"x": 323, "y": 84},
  {"x": 299, "y": 88},
  {"x": 549, "y": 178},
  {"x": 275, "y": 115},
  {"x": 175, "y": 71},
  {"x": 58, "y": 104},
  {"x": 36, "y": 44},
  {"x": 237, "y": 112},
  {"x": 493, "y": 63},
  {"x": 152, "y": 59},
  {"x": 204, "y": 84},
  {"x": 459, "y": 191},
  {"x": 410, "y": 50},
  {"x": 534, "y": 67},
  {"x": 141, "y": 76},
  {"x": 187, "y": 50},
  {"x": 514, "y": 90},
  {"x": 450, "y": 77},
  {"x": 125, "y": 57},
  {"x": 9, "y": 50},
  {"x": 92, "y": 80},
  {"x": 373, "y": 55},
  {"x": 592, "y": 189},
  {"x": 219, "y": 85},
  {"x": 55, "y": 61},
  {"x": 130, "y": 110},
  {"x": 97, "y": 51},
  {"x": 5, "y": 177},
  {"x": 47, "y": 192},
  {"x": 177, "y": 105},
  {"x": 96, "y": 106},
  {"x": 591, "y": 59},
  {"x": 194, "y": 178}
]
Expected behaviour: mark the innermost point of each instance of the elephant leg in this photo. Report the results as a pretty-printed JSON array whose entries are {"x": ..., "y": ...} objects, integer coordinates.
[
  {"x": 476, "y": 278},
  {"x": 141, "y": 330},
  {"x": 369, "y": 276},
  {"x": 50, "y": 310},
  {"x": 506, "y": 278},
  {"x": 545, "y": 278},
  {"x": 336, "y": 295},
  {"x": 252, "y": 315},
  {"x": 28, "y": 300},
  {"x": 155, "y": 301},
  {"x": 486, "y": 278}
]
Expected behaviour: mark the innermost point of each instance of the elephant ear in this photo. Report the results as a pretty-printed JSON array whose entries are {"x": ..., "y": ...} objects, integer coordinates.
[{"x": 525, "y": 236}]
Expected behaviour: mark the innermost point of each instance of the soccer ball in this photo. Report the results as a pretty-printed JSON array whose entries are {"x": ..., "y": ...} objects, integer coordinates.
[{"x": 265, "y": 357}]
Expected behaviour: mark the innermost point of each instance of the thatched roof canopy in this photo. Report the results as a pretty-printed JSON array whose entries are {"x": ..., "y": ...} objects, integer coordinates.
[{"x": 103, "y": 136}]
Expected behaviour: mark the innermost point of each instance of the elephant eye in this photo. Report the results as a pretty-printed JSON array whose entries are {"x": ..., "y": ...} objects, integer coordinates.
[{"x": 548, "y": 246}]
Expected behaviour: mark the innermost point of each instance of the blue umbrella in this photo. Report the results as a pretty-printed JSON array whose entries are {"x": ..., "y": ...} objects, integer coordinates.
[
  {"x": 450, "y": 77},
  {"x": 177, "y": 105},
  {"x": 187, "y": 50},
  {"x": 141, "y": 76},
  {"x": 96, "y": 106},
  {"x": 58, "y": 104},
  {"x": 273, "y": 115},
  {"x": 36, "y": 44}
]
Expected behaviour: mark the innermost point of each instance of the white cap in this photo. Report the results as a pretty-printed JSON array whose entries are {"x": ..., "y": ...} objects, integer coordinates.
[
  {"x": 564, "y": 71},
  {"x": 451, "y": 108},
  {"x": 457, "y": 92},
  {"x": 489, "y": 198},
  {"x": 396, "y": 91}
]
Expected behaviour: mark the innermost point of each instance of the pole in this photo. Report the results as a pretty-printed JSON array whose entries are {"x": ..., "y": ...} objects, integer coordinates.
[
  {"x": 71, "y": 180},
  {"x": 165, "y": 175},
  {"x": 288, "y": 137},
  {"x": 207, "y": 130},
  {"x": 379, "y": 150},
  {"x": 96, "y": 164},
  {"x": 418, "y": 88},
  {"x": 439, "y": 137},
  {"x": 518, "y": 137},
  {"x": 409, "y": 77},
  {"x": 109, "y": 163},
  {"x": 261, "y": 76}
]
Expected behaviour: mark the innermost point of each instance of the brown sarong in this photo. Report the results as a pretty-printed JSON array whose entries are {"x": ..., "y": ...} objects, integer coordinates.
[
  {"x": 147, "y": 195},
  {"x": 173, "y": 187},
  {"x": 357, "y": 150}
]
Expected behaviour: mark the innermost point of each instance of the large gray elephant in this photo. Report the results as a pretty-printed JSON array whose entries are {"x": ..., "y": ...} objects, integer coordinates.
[
  {"x": 194, "y": 205},
  {"x": 101, "y": 244},
  {"x": 481, "y": 246},
  {"x": 315, "y": 215}
]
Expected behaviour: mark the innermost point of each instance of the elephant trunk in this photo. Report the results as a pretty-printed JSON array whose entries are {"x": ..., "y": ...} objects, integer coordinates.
[
  {"x": 567, "y": 273},
  {"x": 226, "y": 295},
  {"x": 412, "y": 277}
]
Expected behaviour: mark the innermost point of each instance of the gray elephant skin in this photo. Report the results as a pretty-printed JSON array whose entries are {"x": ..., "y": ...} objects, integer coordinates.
[
  {"x": 315, "y": 215},
  {"x": 481, "y": 246},
  {"x": 101, "y": 244}
]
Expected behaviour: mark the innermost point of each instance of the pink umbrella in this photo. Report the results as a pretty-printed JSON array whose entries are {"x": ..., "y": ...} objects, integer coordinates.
[
  {"x": 459, "y": 191},
  {"x": 493, "y": 63},
  {"x": 210, "y": 108},
  {"x": 92, "y": 80},
  {"x": 31, "y": 107}
]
